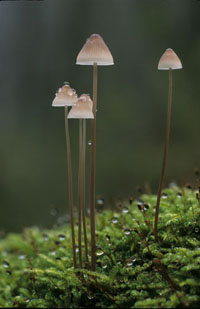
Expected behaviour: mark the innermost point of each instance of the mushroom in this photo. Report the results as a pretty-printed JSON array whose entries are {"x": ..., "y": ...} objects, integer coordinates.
[
  {"x": 66, "y": 96},
  {"x": 168, "y": 61},
  {"x": 94, "y": 52},
  {"x": 82, "y": 110}
]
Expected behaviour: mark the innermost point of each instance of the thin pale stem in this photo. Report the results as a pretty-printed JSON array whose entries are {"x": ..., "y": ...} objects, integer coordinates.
[
  {"x": 70, "y": 185},
  {"x": 79, "y": 196},
  {"x": 83, "y": 190},
  {"x": 93, "y": 169},
  {"x": 165, "y": 155}
]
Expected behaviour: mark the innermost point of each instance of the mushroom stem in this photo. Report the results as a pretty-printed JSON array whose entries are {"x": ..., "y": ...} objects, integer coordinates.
[
  {"x": 83, "y": 189},
  {"x": 70, "y": 185},
  {"x": 165, "y": 155},
  {"x": 93, "y": 169},
  {"x": 79, "y": 195}
]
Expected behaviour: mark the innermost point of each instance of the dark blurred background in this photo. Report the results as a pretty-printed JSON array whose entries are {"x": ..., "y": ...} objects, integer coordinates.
[{"x": 39, "y": 42}]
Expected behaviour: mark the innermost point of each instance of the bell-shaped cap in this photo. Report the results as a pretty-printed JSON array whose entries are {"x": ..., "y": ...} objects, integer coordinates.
[
  {"x": 65, "y": 96},
  {"x": 96, "y": 51},
  {"x": 169, "y": 60},
  {"x": 82, "y": 109}
]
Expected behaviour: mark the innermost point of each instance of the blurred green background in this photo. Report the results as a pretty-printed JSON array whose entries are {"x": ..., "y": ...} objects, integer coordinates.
[{"x": 39, "y": 42}]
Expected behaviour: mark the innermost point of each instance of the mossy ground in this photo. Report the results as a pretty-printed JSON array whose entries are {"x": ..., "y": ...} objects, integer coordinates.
[{"x": 132, "y": 270}]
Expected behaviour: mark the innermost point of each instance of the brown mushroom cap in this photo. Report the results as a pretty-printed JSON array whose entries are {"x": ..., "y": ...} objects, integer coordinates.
[
  {"x": 169, "y": 60},
  {"x": 65, "y": 96},
  {"x": 95, "y": 51},
  {"x": 82, "y": 109}
]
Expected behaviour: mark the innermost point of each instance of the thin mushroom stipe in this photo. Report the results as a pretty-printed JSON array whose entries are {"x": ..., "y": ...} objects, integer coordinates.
[
  {"x": 66, "y": 96},
  {"x": 94, "y": 52},
  {"x": 169, "y": 61},
  {"x": 82, "y": 111}
]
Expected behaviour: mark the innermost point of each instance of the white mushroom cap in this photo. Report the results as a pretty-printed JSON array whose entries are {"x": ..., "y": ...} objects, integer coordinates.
[
  {"x": 95, "y": 51},
  {"x": 65, "y": 96},
  {"x": 169, "y": 60},
  {"x": 82, "y": 109}
]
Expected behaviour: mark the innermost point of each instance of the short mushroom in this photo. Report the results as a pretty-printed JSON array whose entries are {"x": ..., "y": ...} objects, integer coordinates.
[
  {"x": 94, "y": 52},
  {"x": 168, "y": 61},
  {"x": 66, "y": 96},
  {"x": 82, "y": 110}
]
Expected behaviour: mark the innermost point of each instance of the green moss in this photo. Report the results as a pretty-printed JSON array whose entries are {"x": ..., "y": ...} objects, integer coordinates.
[{"x": 132, "y": 270}]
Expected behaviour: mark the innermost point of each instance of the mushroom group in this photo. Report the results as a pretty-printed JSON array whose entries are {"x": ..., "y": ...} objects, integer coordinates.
[{"x": 94, "y": 52}]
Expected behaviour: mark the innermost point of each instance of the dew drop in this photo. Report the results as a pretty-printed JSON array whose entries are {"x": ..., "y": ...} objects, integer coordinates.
[
  {"x": 114, "y": 220},
  {"x": 127, "y": 232},
  {"x": 140, "y": 202},
  {"x": 100, "y": 201},
  {"x": 89, "y": 143},
  {"x": 99, "y": 252},
  {"x": 146, "y": 206},
  {"x": 53, "y": 253},
  {"x": 164, "y": 195},
  {"x": 5, "y": 264},
  {"x": 140, "y": 207},
  {"x": 125, "y": 210},
  {"x": 108, "y": 237},
  {"x": 70, "y": 92},
  {"x": 62, "y": 237}
]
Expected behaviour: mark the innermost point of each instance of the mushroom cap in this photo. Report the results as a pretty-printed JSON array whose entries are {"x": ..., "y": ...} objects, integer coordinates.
[
  {"x": 82, "y": 109},
  {"x": 169, "y": 60},
  {"x": 96, "y": 51},
  {"x": 65, "y": 96}
]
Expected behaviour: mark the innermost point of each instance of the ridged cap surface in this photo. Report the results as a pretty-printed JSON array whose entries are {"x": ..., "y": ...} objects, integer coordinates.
[
  {"x": 82, "y": 109},
  {"x": 96, "y": 51},
  {"x": 169, "y": 60}
]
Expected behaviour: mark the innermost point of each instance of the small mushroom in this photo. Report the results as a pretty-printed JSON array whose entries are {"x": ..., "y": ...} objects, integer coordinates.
[
  {"x": 82, "y": 110},
  {"x": 169, "y": 61},
  {"x": 66, "y": 96},
  {"x": 94, "y": 52}
]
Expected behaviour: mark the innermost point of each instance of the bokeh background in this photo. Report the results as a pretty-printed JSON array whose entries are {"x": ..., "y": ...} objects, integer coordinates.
[{"x": 39, "y": 42}]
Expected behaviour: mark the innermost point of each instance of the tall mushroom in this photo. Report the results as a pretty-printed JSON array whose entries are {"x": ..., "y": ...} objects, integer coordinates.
[
  {"x": 94, "y": 52},
  {"x": 82, "y": 111},
  {"x": 168, "y": 61},
  {"x": 66, "y": 96}
]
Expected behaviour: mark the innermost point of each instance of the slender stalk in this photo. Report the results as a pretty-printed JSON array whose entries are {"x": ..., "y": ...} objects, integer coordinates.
[
  {"x": 93, "y": 169},
  {"x": 165, "y": 155},
  {"x": 83, "y": 189},
  {"x": 79, "y": 195},
  {"x": 70, "y": 185}
]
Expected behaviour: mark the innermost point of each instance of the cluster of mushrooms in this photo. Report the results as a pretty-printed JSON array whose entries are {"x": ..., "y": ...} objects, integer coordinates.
[{"x": 95, "y": 52}]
